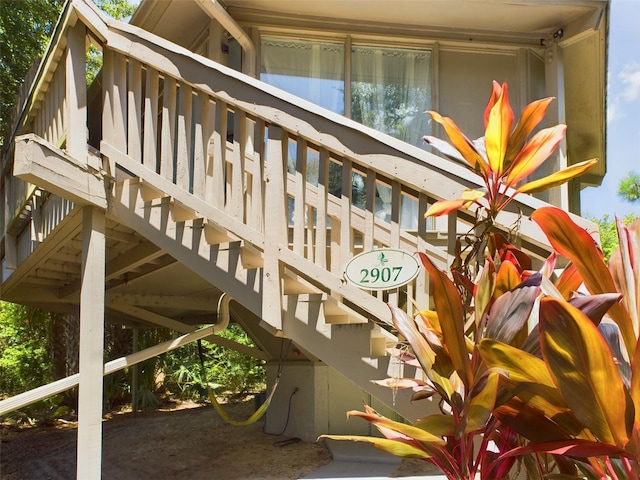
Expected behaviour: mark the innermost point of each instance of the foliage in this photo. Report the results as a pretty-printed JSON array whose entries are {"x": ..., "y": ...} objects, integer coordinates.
[
  {"x": 25, "y": 348},
  {"x": 231, "y": 372},
  {"x": 25, "y": 27},
  {"x": 493, "y": 299},
  {"x": 629, "y": 187},
  {"x": 588, "y": 408},
  {"x": 609, "y": 233}
]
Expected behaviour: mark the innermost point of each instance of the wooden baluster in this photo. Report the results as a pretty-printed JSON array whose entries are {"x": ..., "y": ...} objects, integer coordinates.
[
  {"x": 396, "y": 203},
  {"x": 168, "y": 128},
  {"x": 120, "y": 103},
  {"x": 452, "y": 232},
  {"x": 321, "y": 222},
  {"x": 62, "y": 86},
  {"x": 346, "y": 233},
  {"x": 134, "y": 111},
  {"x": 107, "y": 103},
  {"x": 300, "y": 196},
  {"x": 202, "y": 131},
  {"x": 421, "y": 293},
  {"x": 369, "y": 213},
  {"x": 152, "y": 83},
  {"x": 256, "y": 190},
  {"x": 219, "y": 154},
  {"x": 76, "y": 95},
  {"x": 237, "y": 168},
  {"x": 183, "y": 150}
]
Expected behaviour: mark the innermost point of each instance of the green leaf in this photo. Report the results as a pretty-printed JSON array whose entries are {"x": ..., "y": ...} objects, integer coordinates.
[
  {"x": 484, "y": 289},
  {"x": 394, "y": 447},
  {"x": 584, "y": 371},
  {"x": 527, "y": 376},
  {"x": 402, "y": 428},
  {"x": 438, "y": 424},
  {"x": 482, "y": 404},
  {"x": 451, "y": 316}
]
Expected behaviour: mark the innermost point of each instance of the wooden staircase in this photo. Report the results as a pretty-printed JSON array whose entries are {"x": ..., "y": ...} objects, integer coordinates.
[{"x": 250, "y": 188}]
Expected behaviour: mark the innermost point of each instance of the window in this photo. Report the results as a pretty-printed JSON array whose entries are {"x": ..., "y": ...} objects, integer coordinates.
[{"x": 389, "y": 87}]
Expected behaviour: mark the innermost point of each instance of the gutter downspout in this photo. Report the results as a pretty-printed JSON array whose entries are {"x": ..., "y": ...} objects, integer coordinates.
[{"x": 217, "y": 12}]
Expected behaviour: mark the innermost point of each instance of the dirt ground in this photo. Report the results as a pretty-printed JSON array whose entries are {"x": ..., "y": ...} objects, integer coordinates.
[{"x": 188, "y": 441}]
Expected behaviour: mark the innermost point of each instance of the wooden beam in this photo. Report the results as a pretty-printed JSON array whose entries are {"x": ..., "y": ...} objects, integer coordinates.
[
  {"x": 41, "y": 163},
  {"x": 53, "y": 388},
  {"x": 143, "y": 253},
  {"x": 198, "y": 303},
  {"x": 89, "y": 462},
  {"x": 151, "y": 317}
]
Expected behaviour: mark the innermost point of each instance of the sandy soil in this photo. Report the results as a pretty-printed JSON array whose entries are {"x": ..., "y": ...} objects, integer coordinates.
[{"x": 190, "y": 441}]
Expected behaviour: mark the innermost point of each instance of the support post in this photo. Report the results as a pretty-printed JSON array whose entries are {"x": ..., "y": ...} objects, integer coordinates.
[
  {"x": 554, "y": 79},
  {"x": 134, "y": 376},
  {"x": 92, "y": 297}
]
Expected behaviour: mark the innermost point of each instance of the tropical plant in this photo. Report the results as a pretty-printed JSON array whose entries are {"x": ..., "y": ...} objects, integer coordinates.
[
  {"x": 494, "y": 296},
  {"x": 588, "y": 390}
]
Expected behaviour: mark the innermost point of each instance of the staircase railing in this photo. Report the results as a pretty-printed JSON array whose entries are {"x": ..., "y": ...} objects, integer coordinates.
[{"x": 305, "y": 187}]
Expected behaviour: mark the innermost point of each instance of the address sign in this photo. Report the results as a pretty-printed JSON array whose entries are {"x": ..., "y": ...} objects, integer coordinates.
[{"x": 382, "y": 269}]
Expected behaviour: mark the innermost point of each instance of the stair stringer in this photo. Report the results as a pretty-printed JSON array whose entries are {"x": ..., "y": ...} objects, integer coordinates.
[{"x": 346, "y": 348}]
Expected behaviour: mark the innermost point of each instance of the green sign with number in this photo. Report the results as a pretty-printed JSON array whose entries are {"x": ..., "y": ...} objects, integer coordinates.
[{"x": 382, "y": 269}]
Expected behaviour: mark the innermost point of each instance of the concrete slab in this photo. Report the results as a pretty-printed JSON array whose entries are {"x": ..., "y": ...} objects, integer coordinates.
[{"x": 355, "y": 460}]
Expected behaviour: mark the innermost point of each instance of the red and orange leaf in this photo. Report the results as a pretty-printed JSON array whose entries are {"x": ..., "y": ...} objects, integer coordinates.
[
  {"x": 572, "y": 448},
  {"x": 496, "y": 89},
  {"x": 634, "y": 388},
  {"x": 527, "y": 376},
  {"x": 451, "y": 316},
  {"x": 558, "y": 178},
  {"x": 421, "y": 348},
  {"x": 442, "y": 207},
  {"x": 507, "y": 279},
  {"x": 574, "y": 243},
  {"x": 624, "y": 265},
  {"x": 584, "y": 371},
  {"x": 498, "y": 128},
  {"x": 534, "y": 153},
  {"x": 569, "y": 281},
  {"x": 461, "y": 143},
  {"x": 531, "y": 116}
]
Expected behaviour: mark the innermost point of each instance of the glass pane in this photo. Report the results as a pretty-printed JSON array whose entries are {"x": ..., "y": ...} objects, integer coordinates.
[
  {"x": 311, "y": 70},
  {"x": 390, "y": 91}
]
